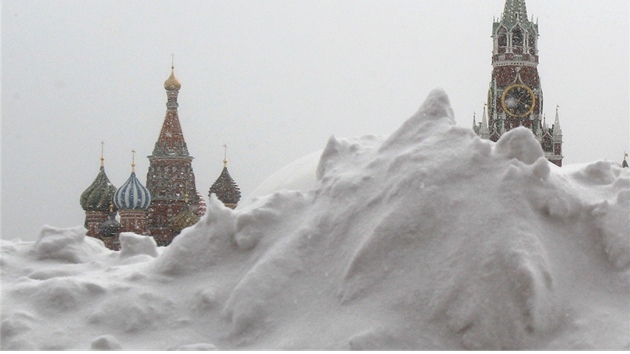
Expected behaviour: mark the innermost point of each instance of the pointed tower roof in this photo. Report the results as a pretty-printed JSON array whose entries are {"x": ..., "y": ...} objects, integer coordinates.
[
  {"x": 225, "y": 188},
  {"x": 624, "y": 164},
  {"x": 557, "y": 131},
  {"x": 514, "y": 12},
  {"x": 98, "y": 196},
  {"x": 132, "y": 194},
  {"x": 171, "y": 139},
  {"x": 484, "y": 132}
]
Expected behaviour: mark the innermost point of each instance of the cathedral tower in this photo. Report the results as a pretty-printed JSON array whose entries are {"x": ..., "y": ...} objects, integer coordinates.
[
  {"x": 515, "y": 96},
  {"x": 170, "y": 177}
]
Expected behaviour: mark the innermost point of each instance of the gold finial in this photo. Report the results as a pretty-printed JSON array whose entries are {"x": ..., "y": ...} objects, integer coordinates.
[
  {"x": 172, "y": 61},
  {"x": 133, "y": 160},
  {"x": 625, "y": 155},
  {"x": 225, "y": 161},
  {"x": 172, "y": 83},
  {"x": 102, "y": 154}
]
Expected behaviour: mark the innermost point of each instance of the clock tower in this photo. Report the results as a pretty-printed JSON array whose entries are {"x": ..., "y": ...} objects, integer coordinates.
[{"x": 515, "y": 96}]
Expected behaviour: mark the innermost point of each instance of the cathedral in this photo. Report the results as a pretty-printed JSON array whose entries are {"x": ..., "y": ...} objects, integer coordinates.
[
  {"x": 515, "y": 96},
  {"x": 170, "y": 201}
]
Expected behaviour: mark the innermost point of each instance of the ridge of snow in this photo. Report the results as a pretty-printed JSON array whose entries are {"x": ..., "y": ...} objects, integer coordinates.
[{"x": 431, "y": 238}]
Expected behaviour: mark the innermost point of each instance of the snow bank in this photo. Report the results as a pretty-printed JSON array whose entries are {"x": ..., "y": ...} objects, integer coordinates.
[{"x": 430, "y": 238}]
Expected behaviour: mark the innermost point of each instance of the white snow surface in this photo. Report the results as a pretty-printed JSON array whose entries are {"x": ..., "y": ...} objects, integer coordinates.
[{"x": 430, "y": 238}]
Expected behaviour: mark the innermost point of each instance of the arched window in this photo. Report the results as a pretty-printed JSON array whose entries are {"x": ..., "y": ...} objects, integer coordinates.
[
  {"x": 502, "y": 37},
  {"x": 517, "y": 37}
]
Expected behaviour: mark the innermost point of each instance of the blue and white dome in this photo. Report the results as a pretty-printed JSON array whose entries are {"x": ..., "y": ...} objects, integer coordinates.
[{"x": 132, "y": 195}]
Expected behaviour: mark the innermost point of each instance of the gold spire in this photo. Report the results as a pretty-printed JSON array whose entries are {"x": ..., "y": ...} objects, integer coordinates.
[
  {"x": 225, "y": 161},
  {"x": 102, "y": 154},
  {"x": 133, "y": 160},
  {"x": 172, "y": 83}
]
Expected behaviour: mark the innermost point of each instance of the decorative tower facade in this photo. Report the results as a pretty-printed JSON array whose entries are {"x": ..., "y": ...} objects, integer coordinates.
[
  {"x": 96, "y": 200},
  {"x": 132, "y": 200},
  {"x": 515, "y": 96},
  {"x": 170, "y": 177}
]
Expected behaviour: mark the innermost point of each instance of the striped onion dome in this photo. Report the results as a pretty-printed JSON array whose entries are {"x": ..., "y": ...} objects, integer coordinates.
[
  {"x": 132, "y": 195},
  {"x": 98, "y": 196}
]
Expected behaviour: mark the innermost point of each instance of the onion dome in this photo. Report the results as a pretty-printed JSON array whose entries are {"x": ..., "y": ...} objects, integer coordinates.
[
  {"x": 172, "y": 83},
  {"x": 201, "y": 207},
  {"x": 226, "y": 189},
  {"x": 98, "y": 196},
  {"x": 132, "y": 194},
  {"x": 111, "y": 226},
  {"x": 184, "y": 219}
]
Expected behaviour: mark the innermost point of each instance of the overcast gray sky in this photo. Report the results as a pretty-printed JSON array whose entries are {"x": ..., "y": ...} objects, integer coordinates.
[{"x": 273, "y": 80}]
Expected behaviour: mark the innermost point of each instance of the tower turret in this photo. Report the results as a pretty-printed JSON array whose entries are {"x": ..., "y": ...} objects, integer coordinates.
[
  {"x": 132, "y": 200},
  {"x": 515, "y": 96},
  {"x": 170, "y": 176},
  {"x": 225, "y": 188},
  {"x": 96, "y": 200}
]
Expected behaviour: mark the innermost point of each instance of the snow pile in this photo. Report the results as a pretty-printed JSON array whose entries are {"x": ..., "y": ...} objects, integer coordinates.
[{"x": 428, "y": 239}]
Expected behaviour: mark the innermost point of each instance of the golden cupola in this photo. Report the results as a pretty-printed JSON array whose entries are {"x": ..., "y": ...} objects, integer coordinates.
[{"x": 172, "y": 83}]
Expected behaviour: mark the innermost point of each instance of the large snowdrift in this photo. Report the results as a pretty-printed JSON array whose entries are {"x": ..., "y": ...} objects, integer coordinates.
[{"x": 430, "y": 238}]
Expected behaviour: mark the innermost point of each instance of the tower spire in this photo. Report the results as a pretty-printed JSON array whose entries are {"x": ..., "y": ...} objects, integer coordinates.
[
  {"x": 557, "y": 131},
  {"x": 133, "y": 160},
  {"x": 514, "y": 11},
  {"x": 225, "y": 161},
  {"x": 102, "y": 154}
]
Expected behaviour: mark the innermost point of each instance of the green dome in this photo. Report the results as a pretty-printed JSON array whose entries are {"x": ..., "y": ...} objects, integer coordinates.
[{"x": 99, "y": 195}]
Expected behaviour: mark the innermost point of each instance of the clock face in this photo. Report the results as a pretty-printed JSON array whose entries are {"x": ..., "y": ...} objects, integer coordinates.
[{"x": 518, "y": 100}]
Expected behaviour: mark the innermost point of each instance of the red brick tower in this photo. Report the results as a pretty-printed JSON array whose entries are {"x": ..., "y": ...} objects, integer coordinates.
[
  {"x": 170, "y": 177},
  {"x": 515, "y": 96}
]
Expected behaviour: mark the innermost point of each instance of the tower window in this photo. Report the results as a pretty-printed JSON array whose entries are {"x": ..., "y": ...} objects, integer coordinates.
[{"x": 517, "y": 37}]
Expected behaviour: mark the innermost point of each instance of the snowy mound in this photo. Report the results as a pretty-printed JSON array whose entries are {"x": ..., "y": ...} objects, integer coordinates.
[{"x": 430, "y": 238}]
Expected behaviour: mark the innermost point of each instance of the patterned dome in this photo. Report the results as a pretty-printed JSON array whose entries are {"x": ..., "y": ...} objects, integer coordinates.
[
  {"x": 110, "y": 227},
  {"x": 132, "y": 195},
  {"x": 172, "y": 83},
  {"x": 98, "y": 196},
  {"x": 201, "y": 207},
  {"x": 226, "y": 189},
  {"x": 184, "y": 219}
]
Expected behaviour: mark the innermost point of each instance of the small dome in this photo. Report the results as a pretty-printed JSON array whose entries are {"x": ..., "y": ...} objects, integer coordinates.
[
  {"x": 98, "y": 196},
  {"x": 110, "y": 227},
  {"x": 226, "y": 189},
  {"x": 184, "y": 219},
  {"x": 172, "y": 83},
  {"x": 201, "y": 207},
  {"x": 132, "y": 195}
]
